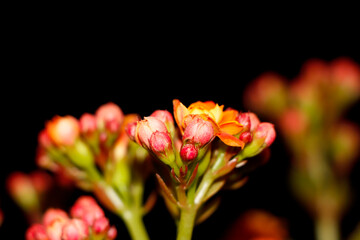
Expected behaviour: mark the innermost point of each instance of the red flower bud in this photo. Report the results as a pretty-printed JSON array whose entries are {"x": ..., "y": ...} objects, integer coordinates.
[
  {"x": 111, "y": 234},
  {"x": 198, "y": 131},
  {"x": 44, "y": 139},
  {"x": 87, "y": 209},
  {"x": 346, "y": 74},
  {"x": 63, "y": 131},
  {"x": 245, "y": 137},
  {"x": 160, "y": 142},
  {"x": 75, "y": 229},
  {"x": 146, "y": 128},
  {"x": 109, "y": 116},
  {"x": 87, "y": 124},
  {"x": 244, "y": 120},
  {"x": 188, "y": 152},
  {"x": 36, "y": 232},
  {"x": 101, "y": 225}
]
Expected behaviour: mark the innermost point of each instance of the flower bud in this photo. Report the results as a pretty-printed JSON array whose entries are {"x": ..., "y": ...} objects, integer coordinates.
[
  {"x": 161, "y": 146},
  {"x": 44, "y": 139},
  {"x": 86, "y": 209},
  {"x": 81, "y": 154},
  {"x": 131, "y": 130},
  {"x": 111, "y": 234},
  {"x": 101, "y": 225},
  {"x": 263, "y": 137},
  {"x": 245, "y": 137},
  {"x": 254, "y": 121},
  {"x": 244, "y": 120},
  {"x": 36, "y": 232},
  {"x": 166, "y": 117},
  {"x": 146, "y": 128},
  {"x": 22, "y": 191},
  {"x": 198, "y": 131},
  {"x": 87, "y": 124},
  {"x": 75, "y": 229},
  {"x": 63, "y": 131},
  {"x": 109, "y": 116},
  {"x": 54, "y": 214},
  {"x": 188, "y": 152}
]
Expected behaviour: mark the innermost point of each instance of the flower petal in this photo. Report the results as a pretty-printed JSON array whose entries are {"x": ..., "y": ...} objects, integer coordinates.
[
  {"x": 229, "y": 115},
  {"x": 231, "y": 127},
  {"x": 180, "y": 111},
  {"x": 202, "y": 105},
  {"x": 217, "y": 112},
  {"x": 230, "y": 140}
]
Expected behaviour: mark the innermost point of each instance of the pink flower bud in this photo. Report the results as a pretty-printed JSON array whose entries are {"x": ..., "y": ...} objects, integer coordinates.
[
  {"x": 160, "y": 142},
  {"x": 254, "y": 121},
  {"x": 101, "y": 225},
  {"x": 75, "y": 229},
  {"x": 54, "y": 214},
  {"x": 244, "y": 120},
  {"x": 266, "y": 130},
  {"x": 164, "y": 116},
  {"x": 86, "y": 209},
  {"x": 198, "y": 131},
  {"x": 188, "y": 152},
  {"x": 87, "y": 124},
  {"x": 63, "y": 131},
  {"x": 109, "y": 116},
  {"x": 36, "y": 232},
  {"x": 131, "y": 130},
  {"x": 146, "y": 128},
  {"x": 111, "y": 234}
]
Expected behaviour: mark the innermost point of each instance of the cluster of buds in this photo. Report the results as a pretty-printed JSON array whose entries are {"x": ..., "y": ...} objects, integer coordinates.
[
  {"x": 95, "y": 153},
  {"x": 86, "y": 221},
  {"x": 324, "y": 146},
  {"x": 203, "y": 152}
]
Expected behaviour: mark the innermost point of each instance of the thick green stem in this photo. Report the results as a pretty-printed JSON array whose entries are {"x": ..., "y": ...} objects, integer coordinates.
[
  {"x": 135, "y": 225},
  {"x": 327, "y": 229},
  {"x": 186, "y": 224}
]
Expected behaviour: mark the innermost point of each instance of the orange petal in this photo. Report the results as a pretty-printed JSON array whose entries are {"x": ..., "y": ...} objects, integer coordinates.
[
  {"x": 180, "y": 111},
  {"x": 202, "y": 105},
  {"x": 230, "y": 140},
  {"x": 231, "y": 127},
  {"x": 217, "y": 112},
  {"x": 229, "y": 115}
]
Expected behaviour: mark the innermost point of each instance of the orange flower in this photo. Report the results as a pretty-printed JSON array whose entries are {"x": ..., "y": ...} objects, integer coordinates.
[{"x": 224, "y": 122}]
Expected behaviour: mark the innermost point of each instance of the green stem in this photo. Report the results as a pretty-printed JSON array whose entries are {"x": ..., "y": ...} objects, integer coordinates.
[
  {"x": 186, "y": 224},
  {"x": 135, "y": 225},
  {"x": 327, "y": 229}
]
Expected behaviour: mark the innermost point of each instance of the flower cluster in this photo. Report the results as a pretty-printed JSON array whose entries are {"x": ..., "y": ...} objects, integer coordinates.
[
  {"x": 309, "y": 112},
  {"x": 87, "y": 221},
  {"x": 199, "y": 165}
]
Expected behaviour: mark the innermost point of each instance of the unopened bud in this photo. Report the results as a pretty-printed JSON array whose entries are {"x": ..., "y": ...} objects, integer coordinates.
[
  {"x": 101, "y": 225},
  {"x": 87, "y": 209},
  {"x": 262, "y": 138},
  {"x": 63, "y": 131},
  {"x": 54, "y": 214},
  {"x": 75, "y": 229},
  {"x": 36, "y": 232},
  {"x": 166, "y": 117},
  {"x": 198, "y": 131},
  {"x": 109, "y": 116},
  {"x": 245, "y": 137},
  {"x": 188, "y": 152},
  {"x": 112, "y": 233},
  {"x": 244, "y": 120},
  {"x": 131, "y": 130},
  {"x": 44, "y": 139},
  {"x": 146, "y": 128},
  {"x": 161, "y": 146},
  {"x": 81, "y": 154},
  {"x": 87, "y": 124}
]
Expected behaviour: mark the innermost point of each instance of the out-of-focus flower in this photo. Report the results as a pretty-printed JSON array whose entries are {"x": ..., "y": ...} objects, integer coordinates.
[
  {"x": 224, "y": 122},
  {"x": 63, "y": 131},
  {"x": 256, "y": 225},
  {"x": 23, "y": 191},
  {"x": 87, "y": 124},
  {"x": 88, "y": 222}
]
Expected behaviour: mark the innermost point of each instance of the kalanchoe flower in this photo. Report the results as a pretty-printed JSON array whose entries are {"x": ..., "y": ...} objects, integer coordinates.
[
  {"x": 223, "y": 122},
  {"x": 189, "y": 152},
  {"x": 87, "y": 124},
  {"x": 198, "y": 131},
  {"x": 63, "y": 131},
  {"x": 166, "y": 117},
  {"x": 146, "y": 128}
]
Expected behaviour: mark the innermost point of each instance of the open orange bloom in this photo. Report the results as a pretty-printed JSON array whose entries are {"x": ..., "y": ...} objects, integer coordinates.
[{"x": 224, "y": 122}]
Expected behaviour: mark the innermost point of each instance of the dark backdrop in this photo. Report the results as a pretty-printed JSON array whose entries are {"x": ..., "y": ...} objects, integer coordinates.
[{"x": 49, "y": 74}]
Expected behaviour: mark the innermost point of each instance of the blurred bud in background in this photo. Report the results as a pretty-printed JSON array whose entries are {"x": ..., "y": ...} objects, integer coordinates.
[{"x": 256, "y": 225}]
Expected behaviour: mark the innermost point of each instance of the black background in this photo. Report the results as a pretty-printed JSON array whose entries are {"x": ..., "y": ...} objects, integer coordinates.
[{"x": 59, "y": 70}]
